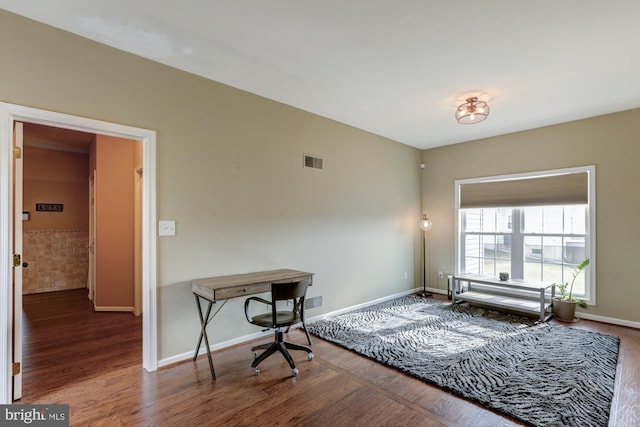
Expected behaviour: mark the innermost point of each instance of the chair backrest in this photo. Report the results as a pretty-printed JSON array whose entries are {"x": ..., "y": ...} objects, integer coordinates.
[
  {"x": 295, "y": 291},
  {"x": 289, "y": 290}
]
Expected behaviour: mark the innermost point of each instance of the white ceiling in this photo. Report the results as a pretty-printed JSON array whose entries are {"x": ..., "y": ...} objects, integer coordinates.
[{"x": 397, "y": 68}]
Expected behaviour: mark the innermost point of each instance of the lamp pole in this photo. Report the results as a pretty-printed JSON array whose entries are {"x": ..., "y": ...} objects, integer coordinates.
[{"x": 425, "y": 224}]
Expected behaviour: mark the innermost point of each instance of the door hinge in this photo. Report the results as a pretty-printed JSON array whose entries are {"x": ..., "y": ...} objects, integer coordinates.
[
  {"x": 17, "y": 152},
  {"x": 15, "y": 368},
  {"x": 16, "y": 260}
]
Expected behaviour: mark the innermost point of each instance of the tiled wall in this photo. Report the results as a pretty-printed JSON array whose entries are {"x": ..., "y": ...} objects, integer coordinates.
[{"x": 57, "y": 260}]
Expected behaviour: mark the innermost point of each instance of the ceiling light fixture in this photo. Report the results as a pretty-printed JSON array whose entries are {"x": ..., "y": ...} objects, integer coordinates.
[{"x": 472, "y": 111}]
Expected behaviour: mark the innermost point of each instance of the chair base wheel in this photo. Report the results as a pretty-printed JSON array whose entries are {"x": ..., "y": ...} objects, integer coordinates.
[
  {"x": 294, "y": 372},
  {"x": 256, "y": 371},
  {"x": 310, "y": 356}
]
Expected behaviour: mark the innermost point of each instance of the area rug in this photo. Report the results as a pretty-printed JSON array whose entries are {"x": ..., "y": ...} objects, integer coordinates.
[{"x": 538, "y": 373}]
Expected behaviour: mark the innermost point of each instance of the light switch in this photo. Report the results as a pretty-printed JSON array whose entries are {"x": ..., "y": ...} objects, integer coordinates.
[{"x": 166, "y": 228}]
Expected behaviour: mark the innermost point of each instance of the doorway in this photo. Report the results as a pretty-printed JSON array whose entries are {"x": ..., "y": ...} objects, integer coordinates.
[
  {"x": 55, "y": 164},
  {"x": 8, "y": 115},
  {"x": 60, "y": 168}
]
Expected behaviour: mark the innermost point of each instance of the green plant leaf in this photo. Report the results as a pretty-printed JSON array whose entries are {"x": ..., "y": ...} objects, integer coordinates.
[{"x": 576, "y": 272}]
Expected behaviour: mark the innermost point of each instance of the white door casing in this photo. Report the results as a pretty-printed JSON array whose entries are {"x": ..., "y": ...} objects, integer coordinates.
[
  {"x": 18, "y": 162},
  {"x": 10, "y": 113}
]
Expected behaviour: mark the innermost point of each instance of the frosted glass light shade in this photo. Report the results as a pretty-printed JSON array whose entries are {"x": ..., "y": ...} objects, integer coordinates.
[{"x": 425, "y": 223}]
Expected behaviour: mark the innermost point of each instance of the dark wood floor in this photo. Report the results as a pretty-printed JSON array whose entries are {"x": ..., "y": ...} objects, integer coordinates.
[{"x": 92, "y": 361}]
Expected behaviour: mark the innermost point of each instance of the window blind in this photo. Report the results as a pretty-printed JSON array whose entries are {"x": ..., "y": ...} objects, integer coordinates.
[{"x": 564, "y": 189}]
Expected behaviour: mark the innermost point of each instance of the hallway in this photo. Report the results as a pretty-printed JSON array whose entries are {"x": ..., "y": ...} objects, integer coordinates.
[{"x": 66, "y": 342}]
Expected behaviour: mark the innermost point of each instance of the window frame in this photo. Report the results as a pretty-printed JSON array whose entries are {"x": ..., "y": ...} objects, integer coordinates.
[
  {"x": 483, "y": 234},
  {"x": 590, "y": 238}
]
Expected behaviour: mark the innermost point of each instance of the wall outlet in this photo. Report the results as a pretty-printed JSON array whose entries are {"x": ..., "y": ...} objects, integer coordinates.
[{"x": 440, "y": 275}]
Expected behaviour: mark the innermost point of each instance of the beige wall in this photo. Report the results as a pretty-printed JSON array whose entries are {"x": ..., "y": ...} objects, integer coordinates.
[
  {"x": 55, "y": 243},
  {"x": 229, "y": 172},
  {"x": 610, "y": 142},
  {"x": 115, "y": 169},
  {"x": 52, "y": 176}
]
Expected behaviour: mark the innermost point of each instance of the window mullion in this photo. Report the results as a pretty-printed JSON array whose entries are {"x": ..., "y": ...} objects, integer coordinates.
[
  {"x": 463, "y": 244},
  {"x": 517, "y": 245}
]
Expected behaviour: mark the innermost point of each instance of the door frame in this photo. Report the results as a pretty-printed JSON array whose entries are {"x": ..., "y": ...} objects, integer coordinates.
[
  {"x": 17, "y": 176},
  {"x": 9, "y": 113}
]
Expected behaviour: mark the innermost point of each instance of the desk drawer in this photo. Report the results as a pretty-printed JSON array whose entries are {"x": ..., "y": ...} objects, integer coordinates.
[{"x": 238, "y": 291}]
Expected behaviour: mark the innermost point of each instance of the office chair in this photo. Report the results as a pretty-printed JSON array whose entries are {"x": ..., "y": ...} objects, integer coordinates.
[{"x": 277, "y": 319}]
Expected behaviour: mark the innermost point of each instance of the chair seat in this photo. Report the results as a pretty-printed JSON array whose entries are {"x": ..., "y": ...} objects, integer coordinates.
[
  {"x": 283, "y": 318},
  {"x": 294, "y": 293}
]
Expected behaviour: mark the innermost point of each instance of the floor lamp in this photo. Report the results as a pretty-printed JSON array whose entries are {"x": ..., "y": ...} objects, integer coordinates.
[{"x": 425, "y": 225}]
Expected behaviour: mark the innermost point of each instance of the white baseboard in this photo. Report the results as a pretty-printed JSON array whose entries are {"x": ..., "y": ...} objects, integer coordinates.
[
  {"x": 240, "y": 340},
  {"x": 581, "y": 314},
  {"x": 376, "y": 301},
  {"x": 611, "y": 320},
  {"x": 357, "y": 306},
  {"x": 434, "y": 291},
  {"x": 115, "y": 308},
  {"x": 218, "y": 346}
]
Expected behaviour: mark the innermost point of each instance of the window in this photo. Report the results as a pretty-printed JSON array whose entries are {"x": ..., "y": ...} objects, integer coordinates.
[
  {"x": 532, "y": 238},
  {"x": 487, "y": 241}
]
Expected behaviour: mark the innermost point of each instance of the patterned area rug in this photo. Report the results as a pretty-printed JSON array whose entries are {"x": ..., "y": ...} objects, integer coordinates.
[{"x": 541, "y": 374}]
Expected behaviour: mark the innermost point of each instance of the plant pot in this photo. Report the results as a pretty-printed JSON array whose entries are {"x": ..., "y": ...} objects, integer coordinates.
[{"x": 564, "y": 311}]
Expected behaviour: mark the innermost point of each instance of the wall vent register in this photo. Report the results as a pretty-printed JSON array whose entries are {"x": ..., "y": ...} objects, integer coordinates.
[
  {"x": 313, "y": 162},
  {"x": 314, "y": 302}
]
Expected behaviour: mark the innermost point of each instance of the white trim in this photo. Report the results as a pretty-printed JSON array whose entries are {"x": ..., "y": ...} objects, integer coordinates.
[
  {"x": 580, "y": 314},
  {"x": 18, "y": 248},
  {"x": 218, "y": 346},
  {"x": 115, "y": 308},
  {"x": 610, "y": 320},
  {"x": 364, "y": 304},
  {"x": 432, "y": 290},
  {"x": 149, "y": 253},
  {"x": 5, "y": 264},
  {"x": 524, "y": 175},
  {"x": 256, "y": 335},
  {"x": 591, "y": 213},
  {"x": 10, "y": 113},
  {"x": 178, "y": 358}
]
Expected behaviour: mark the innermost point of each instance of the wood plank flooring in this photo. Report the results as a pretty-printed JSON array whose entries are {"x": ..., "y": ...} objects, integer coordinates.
[{"x": 92, "y": 361}]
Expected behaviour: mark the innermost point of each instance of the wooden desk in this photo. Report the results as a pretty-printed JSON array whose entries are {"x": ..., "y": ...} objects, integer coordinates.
[{"x": 222, "y": 288}]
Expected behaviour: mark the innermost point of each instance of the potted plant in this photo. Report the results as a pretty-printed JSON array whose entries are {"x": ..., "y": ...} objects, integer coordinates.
[{"x": 564, "y": 305}]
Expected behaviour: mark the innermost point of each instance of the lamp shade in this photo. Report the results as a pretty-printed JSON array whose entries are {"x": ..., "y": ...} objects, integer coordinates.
[
  {"x": 425, "y": 223},
  {"x": 472, "y": 111}
]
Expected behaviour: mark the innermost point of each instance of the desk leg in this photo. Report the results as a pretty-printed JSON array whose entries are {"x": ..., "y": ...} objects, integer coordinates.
[
  {"x": 203, "y": 333},
  {"x": 195, "y": 356}
]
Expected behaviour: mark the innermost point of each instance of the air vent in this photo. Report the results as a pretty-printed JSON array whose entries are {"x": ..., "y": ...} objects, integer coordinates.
[
  {"x": 312, "y": 161},
  {"x": 313, "y": 302}
]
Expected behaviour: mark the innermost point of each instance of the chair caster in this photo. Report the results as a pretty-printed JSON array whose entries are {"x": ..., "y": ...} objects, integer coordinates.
[
  {"x": 256, "y": 371},
  {"x": 294, "y": 372},
  {"x": 255, "y": 355},
  {"x": 310, "y": 356}
]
